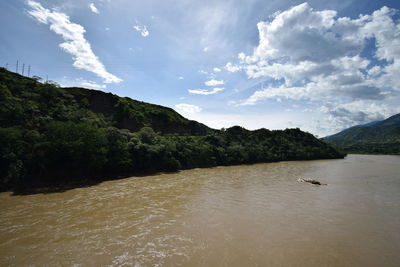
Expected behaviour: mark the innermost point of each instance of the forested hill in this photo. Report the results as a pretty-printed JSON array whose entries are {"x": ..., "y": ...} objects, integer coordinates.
[
  {"x": 379, "y": 137},
  {"x": 52, "y": 136},
  {"x": 33, "y": 103}
]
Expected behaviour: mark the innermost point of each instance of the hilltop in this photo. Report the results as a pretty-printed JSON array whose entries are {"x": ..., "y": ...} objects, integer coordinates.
[
  {"x": 53, "y": 136},
  {"x": 378, "y": 137},
  {"x": 32, "y": 102}
]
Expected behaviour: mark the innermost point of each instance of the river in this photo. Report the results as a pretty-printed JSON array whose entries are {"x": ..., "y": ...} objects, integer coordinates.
[{"x": 251, "y": 215}]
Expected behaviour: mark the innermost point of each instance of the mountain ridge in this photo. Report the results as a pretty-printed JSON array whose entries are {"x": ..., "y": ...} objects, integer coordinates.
[{"x": 378, "y": 137}]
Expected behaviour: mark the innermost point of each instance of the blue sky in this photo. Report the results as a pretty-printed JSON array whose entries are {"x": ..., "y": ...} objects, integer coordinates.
[{"x": 320, "y": 65}]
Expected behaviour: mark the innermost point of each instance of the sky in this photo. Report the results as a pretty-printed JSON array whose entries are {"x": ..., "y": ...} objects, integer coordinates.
[{"x": 321, "y": 65}]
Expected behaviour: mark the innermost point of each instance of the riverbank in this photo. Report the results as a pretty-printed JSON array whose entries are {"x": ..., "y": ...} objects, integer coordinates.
[{"x": 32, "y": 189}]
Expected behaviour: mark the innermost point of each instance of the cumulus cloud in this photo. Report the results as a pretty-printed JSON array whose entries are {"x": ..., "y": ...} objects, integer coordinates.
[
  {"x": 214, "y": 82},
  {"x": 303, "y": 35},
  {"x": 205, "y": 92},
  {"x": 75, "y": 42},
  {"x": 305, "y": 54},
  {"x": 93, "y": 8},
  {"x": 188, "y": 108},
  {"x": 142, "y": 29}
]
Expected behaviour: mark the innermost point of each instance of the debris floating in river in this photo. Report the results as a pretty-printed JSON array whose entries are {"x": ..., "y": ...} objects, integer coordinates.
[{"x": 311, "y": 181}]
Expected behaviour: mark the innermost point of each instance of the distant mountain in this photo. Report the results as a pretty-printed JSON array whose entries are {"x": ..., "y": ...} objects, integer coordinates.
[
  {"x": 52, "y": 136},
  {"x": 378, "y": 137}
]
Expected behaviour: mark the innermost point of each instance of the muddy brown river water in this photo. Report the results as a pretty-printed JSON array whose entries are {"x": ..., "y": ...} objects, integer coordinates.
[{"x": 252, "y": 215}]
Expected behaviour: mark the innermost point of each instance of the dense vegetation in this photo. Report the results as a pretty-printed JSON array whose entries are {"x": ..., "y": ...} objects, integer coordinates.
[
  {"x": 54, "y": 136},
  {"x": 380, "y": 137}
]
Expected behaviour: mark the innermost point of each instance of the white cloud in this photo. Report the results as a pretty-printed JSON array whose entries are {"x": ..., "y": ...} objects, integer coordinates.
[
  {"x": 180, "y": 78},
  {"x": 213, "y": 82},
  {"x": 232, "y": 68},
  {"x": 93, "y": 85},
  {"x": 142, "y": 29},
  {"x": 188, "y": 108},
  {"x": 374, "y": 71},
  {"x": 357, "y": 112},
  {"x": 386, "y": 32},
  {"x": 203, "y": 72},
  {"x": 205, "y": 92},
  {"x": 75, "y": 44},
  {"x": 305, "y": 54},
  {"x": 81, "y": 82},
  {"x": 216, "y": 69},
  {"x": 303, "y": 35},
  {"x": 301, "y": 45},
  {"x": 93, "y": 8}
]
